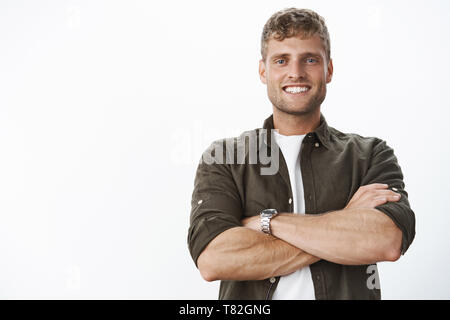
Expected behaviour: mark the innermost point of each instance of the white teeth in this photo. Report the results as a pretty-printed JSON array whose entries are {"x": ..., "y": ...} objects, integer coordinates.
[{"x": 296, "y": 89}]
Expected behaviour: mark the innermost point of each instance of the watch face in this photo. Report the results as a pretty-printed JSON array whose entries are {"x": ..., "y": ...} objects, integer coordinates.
[{"x": 268, "y": 212}]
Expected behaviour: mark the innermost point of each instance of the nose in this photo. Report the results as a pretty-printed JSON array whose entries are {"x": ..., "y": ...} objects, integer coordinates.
[{"x": 296, "y": 70}]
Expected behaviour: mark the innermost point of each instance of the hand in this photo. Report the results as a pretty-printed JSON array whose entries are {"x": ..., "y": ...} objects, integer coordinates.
[
  {"x": 372, "y": 195},
  {"x": 253, "y": 223}
]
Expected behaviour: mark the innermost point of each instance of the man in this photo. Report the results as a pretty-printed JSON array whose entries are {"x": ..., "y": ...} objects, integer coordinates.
[{"x": 335, "y": 206}]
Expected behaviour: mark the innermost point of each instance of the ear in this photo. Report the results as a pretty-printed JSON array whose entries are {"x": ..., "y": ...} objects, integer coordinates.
[
  {"x": 262, "y": 71},
  {"x": 330, "y": 71}
]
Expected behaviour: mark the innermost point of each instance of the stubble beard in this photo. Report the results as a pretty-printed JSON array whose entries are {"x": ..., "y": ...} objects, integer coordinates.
[{"x": 309, "y": 107}]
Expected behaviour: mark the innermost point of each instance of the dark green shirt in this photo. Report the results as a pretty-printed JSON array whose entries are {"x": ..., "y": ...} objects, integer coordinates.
[{"x": 333, "y": 165}]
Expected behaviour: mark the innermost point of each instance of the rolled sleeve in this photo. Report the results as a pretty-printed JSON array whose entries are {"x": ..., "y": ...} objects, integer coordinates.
[
  {"x": 215, "y": 206},
  {"x": 384, "y": 168}
]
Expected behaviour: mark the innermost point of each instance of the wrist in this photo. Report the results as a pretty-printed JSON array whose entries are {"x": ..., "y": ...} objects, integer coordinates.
[{"x": 284, "y": 223}]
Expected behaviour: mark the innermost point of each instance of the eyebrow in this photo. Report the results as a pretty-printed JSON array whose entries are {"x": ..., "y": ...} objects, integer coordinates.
[{"x": 285, "y": 55}]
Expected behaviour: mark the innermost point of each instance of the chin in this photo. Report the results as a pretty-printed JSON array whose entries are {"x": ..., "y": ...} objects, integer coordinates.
[{"x": 296, "y": 110}]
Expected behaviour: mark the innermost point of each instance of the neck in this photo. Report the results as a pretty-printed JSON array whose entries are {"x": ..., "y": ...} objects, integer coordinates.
[{"x": 290, "y": 124}]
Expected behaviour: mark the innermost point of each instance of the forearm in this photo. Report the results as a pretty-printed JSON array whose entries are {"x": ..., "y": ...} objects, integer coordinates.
[
  {"x": 244, "y": 254},
  {"x": 351, "y": 236}
]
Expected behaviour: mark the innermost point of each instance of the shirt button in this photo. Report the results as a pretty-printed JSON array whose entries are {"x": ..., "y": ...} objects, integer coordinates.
[
  {"x": 272, "y": 280},
  {"x": 316, "y": 144},
  {"x": 290, "y": 200},
  {"x": 394, "y": 189},
  {"x": 200, "y": 201}
]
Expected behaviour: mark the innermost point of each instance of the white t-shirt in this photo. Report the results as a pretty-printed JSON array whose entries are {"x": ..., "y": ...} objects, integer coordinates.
[{"x": 297, "y": 285}]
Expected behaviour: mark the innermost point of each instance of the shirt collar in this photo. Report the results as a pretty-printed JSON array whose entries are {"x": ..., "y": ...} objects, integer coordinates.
[{"x": 320, "y": 134}]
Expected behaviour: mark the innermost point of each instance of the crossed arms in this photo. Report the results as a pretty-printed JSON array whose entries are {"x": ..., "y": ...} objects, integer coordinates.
[{"x": 357, "y": 234}]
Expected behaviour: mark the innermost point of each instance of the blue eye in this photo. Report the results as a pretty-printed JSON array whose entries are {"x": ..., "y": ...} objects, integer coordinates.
[
  {"x": 279, "y": 61},
  {"x": 311, "y": 60}
]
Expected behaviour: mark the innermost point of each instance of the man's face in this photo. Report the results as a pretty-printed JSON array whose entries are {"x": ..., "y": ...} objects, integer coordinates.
[{"x": 296, "y": 72}]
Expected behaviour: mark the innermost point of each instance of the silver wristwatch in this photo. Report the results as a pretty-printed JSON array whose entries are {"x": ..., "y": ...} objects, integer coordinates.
[{"x": 266, "y": 215}]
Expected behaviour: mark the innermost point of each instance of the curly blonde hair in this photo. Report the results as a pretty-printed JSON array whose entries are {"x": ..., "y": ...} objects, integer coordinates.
[{"x": 291, "y": 22}]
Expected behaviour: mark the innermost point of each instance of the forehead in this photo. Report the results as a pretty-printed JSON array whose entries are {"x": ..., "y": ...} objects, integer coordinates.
[{"x": 296, "y": 46}]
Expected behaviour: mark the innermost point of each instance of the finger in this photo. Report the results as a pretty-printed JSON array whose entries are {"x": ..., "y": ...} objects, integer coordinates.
[
  {"x": 383, "y": 199},
  {"x": 375, "y": 186},
  {"x": 368, "y": 188},
  {"x": 394, "y": 197},
  {"x": 377, "y": 193},
  {"x": 383, "y": 192},
  {"x": 378, "y": 202},
  {"x": 389, "y": 195}
]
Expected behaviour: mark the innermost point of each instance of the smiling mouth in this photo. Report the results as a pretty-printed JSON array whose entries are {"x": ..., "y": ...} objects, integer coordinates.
[{"x": 296, "y": 89}]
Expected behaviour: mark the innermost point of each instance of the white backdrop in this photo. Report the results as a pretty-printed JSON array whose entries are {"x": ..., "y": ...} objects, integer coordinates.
[{"x": 106, "y": 106}]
